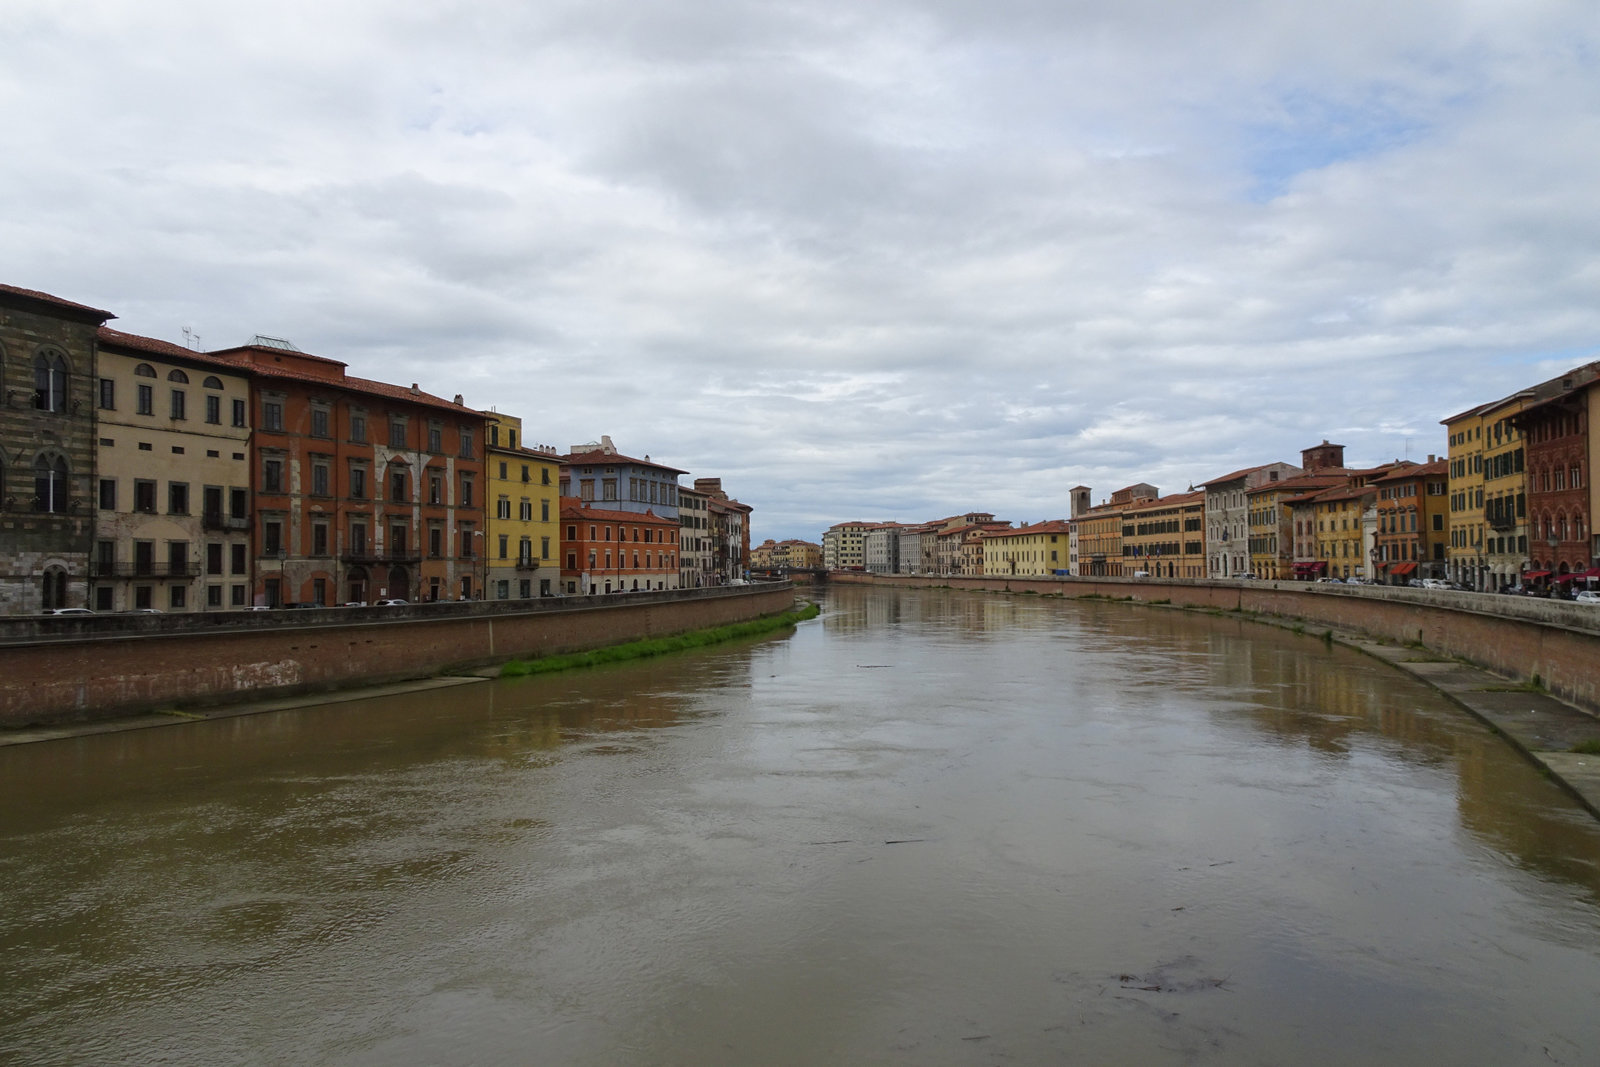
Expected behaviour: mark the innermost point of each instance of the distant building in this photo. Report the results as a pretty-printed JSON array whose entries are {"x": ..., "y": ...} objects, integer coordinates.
[
  {"x": 523, "y": 558},
  {"x": 1165, "y": 537},
  {"x": 1036, "y": 551},
  {"x": 1227, "y": 516},
  {"x": 610, "y": 551}
]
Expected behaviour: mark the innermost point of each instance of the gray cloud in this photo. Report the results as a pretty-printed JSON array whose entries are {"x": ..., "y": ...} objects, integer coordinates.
[{"x": 890, "y": 261}]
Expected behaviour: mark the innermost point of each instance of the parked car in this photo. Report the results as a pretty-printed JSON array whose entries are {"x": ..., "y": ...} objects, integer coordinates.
[
  {"x": 1246, "y": 576},
  {"x": 1141, "y": 574},
  {"x": 1434, "y": 583},
  {"x": 390, "y": 602},
  {"x": 142, "y": 611},
  {"x": 69, "y": 611},
  {"x": 1588, "y": 596}
]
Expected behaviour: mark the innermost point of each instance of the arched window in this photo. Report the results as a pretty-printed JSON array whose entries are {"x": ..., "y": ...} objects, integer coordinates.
[
  {"x": 50, "y": 381},
  {"x": 50, "y": 484},
  {"x": 144, "y": 370},
  {"x": 212, "y": 382},
  {"x": 54, "y": 593},
  {"x": 178, "y": 376}
]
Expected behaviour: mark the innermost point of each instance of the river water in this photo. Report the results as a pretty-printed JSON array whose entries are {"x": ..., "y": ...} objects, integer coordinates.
[{"x": 930, "y": 827}]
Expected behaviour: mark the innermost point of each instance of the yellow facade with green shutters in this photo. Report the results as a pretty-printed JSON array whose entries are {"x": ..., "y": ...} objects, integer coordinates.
[{"x": 522, "y": 552}]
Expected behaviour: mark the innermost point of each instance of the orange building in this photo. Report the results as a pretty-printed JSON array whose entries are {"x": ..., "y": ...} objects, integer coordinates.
[
  {"x": 608, "y": 551},
  {"x": 1413, "y": 532},
  {"x": 362, "y": 490}
]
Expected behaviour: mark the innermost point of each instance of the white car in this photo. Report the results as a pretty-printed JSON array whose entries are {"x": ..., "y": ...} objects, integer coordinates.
[
  {"x": 1588, "y": 596},
  {"x": 69, "y": 611},
  {"x": 392, "y": 602}
]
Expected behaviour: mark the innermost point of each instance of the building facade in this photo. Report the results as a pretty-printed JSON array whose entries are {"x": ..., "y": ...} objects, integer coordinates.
[
  {"x": 524, "y": 551},
  {"x": 1165, "y": 537},
  {"x": 1561, "y": 498},
  {"x": 609, "y": 551},
  {"x": 47, "y": 449},
  {"x": 172, "y": 494},
  {"x": 1227, "y": 511},
  {"x": 1036, "y": 551},
  {"x": 362, "y": 490}
]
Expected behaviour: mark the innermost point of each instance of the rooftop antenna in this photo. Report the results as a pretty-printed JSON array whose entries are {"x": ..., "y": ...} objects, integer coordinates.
[{"x": 191, "y": 339}]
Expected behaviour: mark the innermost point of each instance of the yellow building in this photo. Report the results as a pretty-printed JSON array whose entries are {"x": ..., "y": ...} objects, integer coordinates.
[
  {"x": 1036, "y": 551},
  {"x": 1466, "y": 552},
  {"x": 1098, "y": 530},
  {"x": 1336, "y": 534},
  {"x": 1165, "y": 538},
  {"x": 523, "y": 554},
  {"x": 1272, "y": 531}
]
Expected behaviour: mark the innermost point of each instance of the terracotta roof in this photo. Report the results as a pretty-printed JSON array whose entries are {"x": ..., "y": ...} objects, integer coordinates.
[
  {"x": 1056, "y": 526},
  {"x": 599, "y": 458},
  {"x": 1330, "y": 476},
  {"x": 46, "y": 298},
  {"x": 165, "y": 349},
  {"x": 1415, "y": 470},
  {"x": 573, "y": 508},
  {"x": 1171, "y": 500},
  {"x": 1243, "y": 473}
]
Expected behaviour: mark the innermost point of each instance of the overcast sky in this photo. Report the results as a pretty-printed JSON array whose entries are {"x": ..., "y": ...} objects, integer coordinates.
[{"x": 862, "y": 260}]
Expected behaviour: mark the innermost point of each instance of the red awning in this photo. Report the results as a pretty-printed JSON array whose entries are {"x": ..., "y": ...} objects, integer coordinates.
[
  {"x": 1314, "y": 565},
  {"x": 1536, "y": 574},
  {"x": 1403, "y": 568}
]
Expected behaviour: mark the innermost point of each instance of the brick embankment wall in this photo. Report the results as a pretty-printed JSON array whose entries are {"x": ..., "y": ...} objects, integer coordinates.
[
  {"x": 1518, "y": 637},
  {"x": 81, "y": 668}
]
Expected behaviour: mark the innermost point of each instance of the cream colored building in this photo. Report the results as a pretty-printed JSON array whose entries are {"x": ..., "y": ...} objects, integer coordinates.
[{"x": 173, "y": 501}]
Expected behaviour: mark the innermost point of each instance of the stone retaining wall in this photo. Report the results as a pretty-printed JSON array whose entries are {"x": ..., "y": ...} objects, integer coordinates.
[
  {"x": 68, "y": 668},
  {"x": 1518, "y": 637}
]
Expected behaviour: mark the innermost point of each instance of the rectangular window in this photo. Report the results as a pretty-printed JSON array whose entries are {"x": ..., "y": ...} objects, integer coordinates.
[
  {"x": 319, "y": 539},
  {"x": 272, "y": 415},
  {"x": 272, "y": 537},
  {"x": 505, "y": 545},
  {"x": 397, "y": 433},
  {"x": 144, "y": 495},
  {"x": 237, "y": 563},
  {"x": 544, "y": 548},
  {"x": 177, "y": 404},
  {"x": 319, "y": 479},
  {"x": 544, "y": 475},
  {"x": 238, "y": 503},
  {"x": 214, "y": 558},
  {"x": 213, "y": 596},
  {"x": 466, "y": 490},
  {"x": 238, "y": 413},
  {"x": 502, "y": 508},
  {"x": 435, "y": 541},
  {"x": 108, "y": 494},
  {"x": 108, "y": 394},
  {"x": 147, "y": 400},
  {"x": 177, "y": 596},
  {"x": 358, "y": 481},
  {"x": 177, "y": 558},
  {"x": 144, "y": 557},
  {"x": 544, "y": 511},
  {"x": 358, "y": 427},
  {"x": 397, "y": 486},
  {"x": 272, "y": 476},
  {"x": 435, "y": 438},
  {"x": 320, "y": 422},
  {"x": 177, "y": 498},
  {"x": 466, "y": 442},
  {"x": 525, "y": 511},
  {"x": 397, "y": 540},
  {"x": 358, "y": 538},
  {"x": 214, "y": 418},
  {"x": 466, "y": 542},
  {"x": 236, "y": 596}
]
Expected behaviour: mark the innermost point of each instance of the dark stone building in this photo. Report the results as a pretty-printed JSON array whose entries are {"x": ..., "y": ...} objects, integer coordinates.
[{"x": 47, "y": 449}]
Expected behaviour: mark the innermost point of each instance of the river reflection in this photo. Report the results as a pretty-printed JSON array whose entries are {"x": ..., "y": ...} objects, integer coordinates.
[{"x": 930, "y": 827}]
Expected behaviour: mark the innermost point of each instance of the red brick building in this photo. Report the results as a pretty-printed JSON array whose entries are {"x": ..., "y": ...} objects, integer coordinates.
[
  {"x": 362, "y": 489},
  {"x": 1560, "y": 476},
  {"x": 605, "y": 551}
]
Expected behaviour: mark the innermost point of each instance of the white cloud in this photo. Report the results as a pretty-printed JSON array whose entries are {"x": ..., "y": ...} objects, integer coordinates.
[{"x": 887, "y": 260}]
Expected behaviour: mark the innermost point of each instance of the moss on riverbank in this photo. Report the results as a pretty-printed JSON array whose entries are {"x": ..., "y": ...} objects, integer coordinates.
[{"x": 657, "y": 646}]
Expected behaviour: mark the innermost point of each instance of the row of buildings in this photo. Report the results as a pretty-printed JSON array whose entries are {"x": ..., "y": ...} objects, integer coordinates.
[
  {"x": 1510, "y": 503},
  {"x": 140, "y": 474}
]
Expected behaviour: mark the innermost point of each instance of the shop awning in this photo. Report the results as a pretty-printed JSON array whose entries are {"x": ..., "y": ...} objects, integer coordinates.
[
  {"x": 1312, "y": 567},
  {"x": 1403, "y": 568},
  {"x": 1536, "y": 574},
  {"x": 1580, "y": 576}
]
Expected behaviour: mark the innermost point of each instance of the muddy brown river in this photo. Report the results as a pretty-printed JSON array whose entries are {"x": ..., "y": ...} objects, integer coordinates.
[{"x": 930, "y": 827}]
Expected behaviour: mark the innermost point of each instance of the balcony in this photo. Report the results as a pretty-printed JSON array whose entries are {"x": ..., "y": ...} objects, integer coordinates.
[
  {"x": 104, "y": 569},
  {"x": 1499, "y": 520},
  {"x": 528, "y": 563},
  {"x": 216, "y": 520},
  {"x": 368, "y": 558}
]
